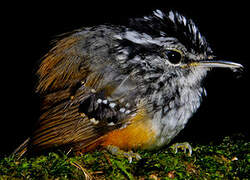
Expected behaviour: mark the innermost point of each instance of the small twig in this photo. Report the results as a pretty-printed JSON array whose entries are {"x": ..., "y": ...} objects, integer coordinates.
[
  {"x": 108, "y": 159},
  {"x": 97, "y": 172},
  {"x": 86, "y": 173},
  {"x": 69, "y": 151}
]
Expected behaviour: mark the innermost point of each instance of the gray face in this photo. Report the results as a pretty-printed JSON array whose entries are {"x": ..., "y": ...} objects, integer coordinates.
[
  {"x": 162, "y": 54},
  {"x": 163, "y": 45}
]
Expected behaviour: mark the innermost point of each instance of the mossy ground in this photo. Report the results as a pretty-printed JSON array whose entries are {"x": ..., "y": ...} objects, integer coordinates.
[{"x": 227, "y": 159}]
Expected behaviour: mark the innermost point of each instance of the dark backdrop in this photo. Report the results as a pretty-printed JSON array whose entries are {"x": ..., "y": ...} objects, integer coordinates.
[{"x": 28, "y": 30}]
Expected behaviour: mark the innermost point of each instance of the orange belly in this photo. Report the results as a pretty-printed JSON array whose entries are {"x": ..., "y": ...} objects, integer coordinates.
[{"x": 139, "y": 134}]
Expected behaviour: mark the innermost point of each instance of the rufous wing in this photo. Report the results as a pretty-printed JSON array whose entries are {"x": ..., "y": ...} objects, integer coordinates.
[{"x": 80, "y": 104}]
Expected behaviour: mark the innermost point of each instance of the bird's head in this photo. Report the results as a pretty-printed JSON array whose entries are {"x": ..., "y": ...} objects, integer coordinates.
[{"x": 167, "y": 46}]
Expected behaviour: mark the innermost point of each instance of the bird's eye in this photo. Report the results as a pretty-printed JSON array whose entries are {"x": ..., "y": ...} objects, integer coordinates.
[{"x": 174, "y": 56}]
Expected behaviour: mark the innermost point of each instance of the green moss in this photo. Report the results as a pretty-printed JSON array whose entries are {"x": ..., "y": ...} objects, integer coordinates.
[{"x": 228, "y": 159}]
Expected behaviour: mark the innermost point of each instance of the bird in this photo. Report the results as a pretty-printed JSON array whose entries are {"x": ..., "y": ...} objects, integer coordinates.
[{"x": 122, "y": 87}]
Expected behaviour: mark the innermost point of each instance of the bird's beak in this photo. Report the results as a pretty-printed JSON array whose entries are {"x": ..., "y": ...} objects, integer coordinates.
[
  {"x": 219, "y": 64},
  {"x": 216, "y": 64}
]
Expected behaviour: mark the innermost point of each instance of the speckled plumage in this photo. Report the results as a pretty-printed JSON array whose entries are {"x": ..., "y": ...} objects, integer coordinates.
[{"x": 131, "y": 86}]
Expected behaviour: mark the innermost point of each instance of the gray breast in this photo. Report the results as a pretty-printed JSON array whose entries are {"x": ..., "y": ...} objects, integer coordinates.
[{"x": 172, "y": 117}]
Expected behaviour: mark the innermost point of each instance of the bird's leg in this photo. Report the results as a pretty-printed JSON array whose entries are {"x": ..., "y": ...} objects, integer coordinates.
[
  {"x": 184, "y": 146},
  {"x": 130, "y": 155}
]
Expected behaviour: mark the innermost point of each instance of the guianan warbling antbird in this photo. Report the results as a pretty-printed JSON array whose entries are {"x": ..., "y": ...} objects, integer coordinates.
[{"x": 122, "y": 87}]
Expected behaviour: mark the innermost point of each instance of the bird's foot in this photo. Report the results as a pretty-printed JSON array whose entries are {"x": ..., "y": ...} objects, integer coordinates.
[
  {"x": 184, "y": 146},
  {"x": 130, "y": 155}
]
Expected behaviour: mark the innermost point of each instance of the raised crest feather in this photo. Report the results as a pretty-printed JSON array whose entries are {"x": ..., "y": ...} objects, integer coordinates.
[{"x": 172, "y": 24}]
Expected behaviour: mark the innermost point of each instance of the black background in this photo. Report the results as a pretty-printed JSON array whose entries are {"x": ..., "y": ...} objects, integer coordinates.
[{"x": 26, "y": 33}]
